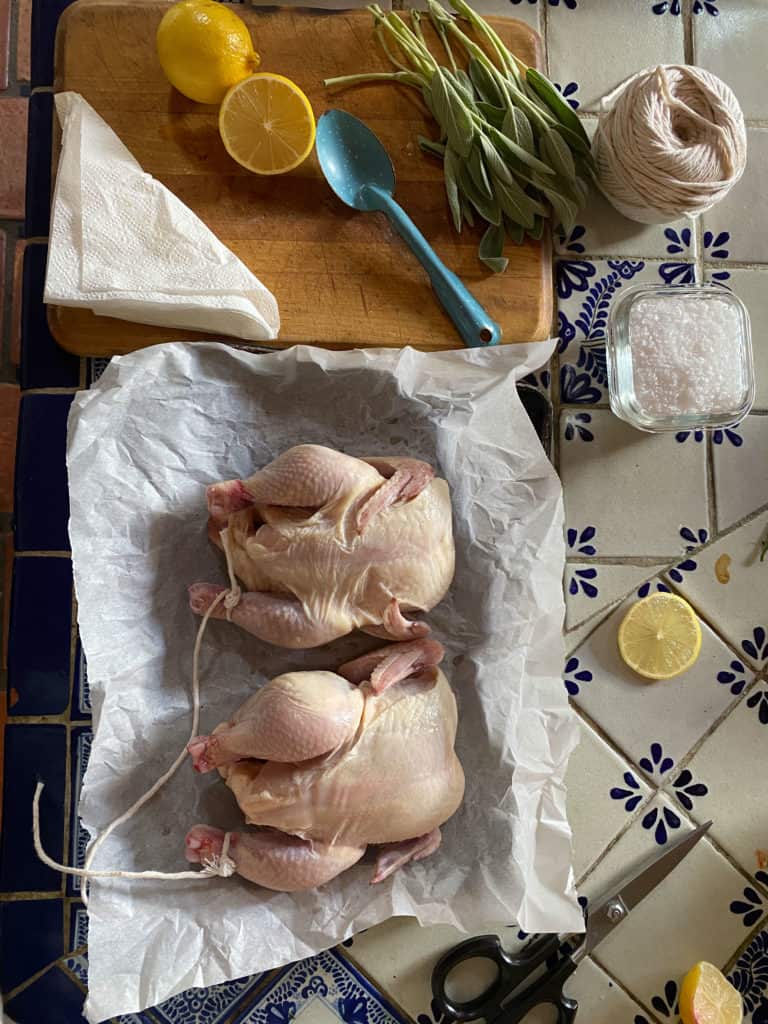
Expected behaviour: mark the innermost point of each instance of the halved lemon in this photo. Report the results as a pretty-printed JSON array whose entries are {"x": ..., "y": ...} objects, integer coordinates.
[
  {"x": 707, "y": 997},
  {"x": 660, "y": 636},
  {"x": 267, "y": 124}
]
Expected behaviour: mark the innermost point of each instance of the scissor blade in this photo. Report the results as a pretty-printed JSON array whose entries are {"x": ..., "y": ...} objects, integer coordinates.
[{"x": 637, "y": 886}]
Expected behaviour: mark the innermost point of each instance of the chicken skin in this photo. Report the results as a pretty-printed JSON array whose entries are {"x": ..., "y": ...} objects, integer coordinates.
[
  {"x": 332, "y": 762},
  {"x": 325, "y": 543}
]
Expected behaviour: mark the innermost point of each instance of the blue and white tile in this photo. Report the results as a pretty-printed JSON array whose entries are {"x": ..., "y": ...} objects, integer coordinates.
[
  {"x": 751, "y": 285},
  {"x": 80, "y": 751},
  {"x": 727, "y": 781},
  {"x": 599, "y": 61},
  {"x": 601, "y": 457},
  {"x": 655, "y": 723},
  {"x": 229, "y": 1001},
  {"x": 749, "y": 974},
  {"x": 325, "y": 989},
  {"x": 595, "y": 774},
  {"x": 399, "y": 956},
  {"x": 744, "y": 211},
  {"x": 603, "y": 230},
  {"x": 740, "y": 459},
  {"x": 600, "y": 999},
  {"x": 725, "y": 588},
  {"x": 586, "y": 291},
  {"x": 592, "y": 588},
  {"x": 732, "y": 45},
  {"x": 81, "y": 692},
  {"x": 687, "y": 918}
]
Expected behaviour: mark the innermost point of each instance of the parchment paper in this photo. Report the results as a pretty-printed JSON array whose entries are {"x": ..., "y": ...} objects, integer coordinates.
[{"x": 143, "y": 443}]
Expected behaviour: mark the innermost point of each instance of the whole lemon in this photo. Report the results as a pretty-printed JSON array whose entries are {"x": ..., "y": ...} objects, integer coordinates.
[{"x": 204, "y": 49}]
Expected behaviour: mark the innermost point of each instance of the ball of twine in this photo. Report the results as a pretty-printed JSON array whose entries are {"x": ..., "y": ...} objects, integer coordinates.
[{"x": 671, "y": 142}]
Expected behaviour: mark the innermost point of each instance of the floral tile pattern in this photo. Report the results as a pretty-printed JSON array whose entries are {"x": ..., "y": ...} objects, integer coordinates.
[{"x": 644, "y": 514}]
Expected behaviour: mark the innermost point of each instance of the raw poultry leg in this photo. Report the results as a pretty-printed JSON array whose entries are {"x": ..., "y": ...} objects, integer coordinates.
[
  {"x": 274, "y": 859},
  {"x": 307, "y": 476},
  {"x": 395, "y": 855},
  {"x": 389, "y": 665},
  {"x": 223, "y": 499},
  {"x": 295, "y": 717},
  {"x": 405, "y": 479},
  {"x": 270, "y": 617}
]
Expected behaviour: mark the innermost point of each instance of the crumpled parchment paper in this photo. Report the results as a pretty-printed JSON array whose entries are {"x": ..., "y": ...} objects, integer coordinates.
[{"x": 143, "y": 444}]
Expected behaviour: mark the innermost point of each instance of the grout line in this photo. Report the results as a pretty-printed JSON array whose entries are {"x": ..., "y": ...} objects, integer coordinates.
[
  {"x": 50, "y": 391},
  {"x": 687, "y": 20},
  {"x": 640, "y": 561},
  {"x": 709, "y": 457},
  {"x": 28, "y": 894},
  {"x": 377, "y": 985},
  {"x": 72, "y": 977},
  {"x": 644, "y": 1006},
  {"x": 43, "y": 554}
]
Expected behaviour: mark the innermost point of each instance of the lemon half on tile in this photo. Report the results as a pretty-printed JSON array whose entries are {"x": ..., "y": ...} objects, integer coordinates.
[
  {"x": 267, "y": 124},
  {"x": 707, "y": 997},
  {"x": 660, "y": 636}
]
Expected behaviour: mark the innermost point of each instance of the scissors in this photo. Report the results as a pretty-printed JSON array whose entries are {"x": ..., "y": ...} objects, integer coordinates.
[{"x": 520, "y": 984}]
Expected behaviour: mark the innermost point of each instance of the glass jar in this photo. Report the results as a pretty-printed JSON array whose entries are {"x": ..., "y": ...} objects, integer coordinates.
[{"x": 679, "y": 357}]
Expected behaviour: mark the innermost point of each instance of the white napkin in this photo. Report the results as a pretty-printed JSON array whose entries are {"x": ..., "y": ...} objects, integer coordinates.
[{"x": 125, "y": 246}]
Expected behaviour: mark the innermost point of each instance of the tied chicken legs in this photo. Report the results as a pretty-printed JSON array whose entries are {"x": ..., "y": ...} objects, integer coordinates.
[
  {"x": 332, "y": 762},
  {"x": 325, "y": 543}
]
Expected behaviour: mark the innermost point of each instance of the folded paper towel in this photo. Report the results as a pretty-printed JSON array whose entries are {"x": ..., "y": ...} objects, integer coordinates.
[{"x": 125, "y": 246}]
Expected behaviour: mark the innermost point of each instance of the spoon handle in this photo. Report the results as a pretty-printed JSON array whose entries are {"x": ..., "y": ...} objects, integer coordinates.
[{"x": 473, "y": 323}]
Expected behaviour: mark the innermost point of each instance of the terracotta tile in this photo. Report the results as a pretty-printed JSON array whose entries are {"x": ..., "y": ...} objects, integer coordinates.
[
  {"x": 5, "y": 35},
  {"x": 23, "y": 37},
  {"x": 18, "y": 284},
  {"x": 13, "y": 156},
  {"x": 9, "y": 414}
]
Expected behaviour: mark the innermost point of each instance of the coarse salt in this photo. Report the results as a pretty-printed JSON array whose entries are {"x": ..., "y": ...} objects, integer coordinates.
[{"x": 686, "y": 355}]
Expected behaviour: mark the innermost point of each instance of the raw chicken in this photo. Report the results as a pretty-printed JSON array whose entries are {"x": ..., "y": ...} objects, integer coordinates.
[
  {"x": 332, "y": 762},
  {"x": 325, "y": 543}
]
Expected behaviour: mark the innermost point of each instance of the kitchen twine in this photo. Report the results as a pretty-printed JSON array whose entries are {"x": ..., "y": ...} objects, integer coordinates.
[
  {"x": 214, "y": 867},
  {"x": 670, "y": 143}
]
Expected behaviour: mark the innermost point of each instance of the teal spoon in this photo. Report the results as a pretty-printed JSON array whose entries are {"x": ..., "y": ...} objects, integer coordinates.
[{"x": 359, "y": 171}]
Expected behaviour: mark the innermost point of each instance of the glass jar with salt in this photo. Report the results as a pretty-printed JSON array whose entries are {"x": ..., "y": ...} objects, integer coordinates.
[{"x": 679, "y": 357}]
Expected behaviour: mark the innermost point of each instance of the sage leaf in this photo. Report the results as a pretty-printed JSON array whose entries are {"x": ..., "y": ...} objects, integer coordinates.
[
  {"x": 554, "y": 149},
  {"x": 507, "y": 146},
  {"x": 491, "y": 250},
  {"x": 494, "y": 161},
  {"x": 478, "y": 173},
  {"x": 566, "y": 210},
  {"x": 466, "y": 210},
  {"x": 431, "y": 147},
  {"x": 543, "y": 88},
  {"x": 515, "y": 232},
  {"x": 488, "y": 209},
  {"x": 485, "y": 84},
  {"x": 463, "y": 82},
  {"x": 518, "y": 128},
  {"x": 537, "y": 230},
  {"x": 493, "y": 115},
  {"x": 577, "y": 143},
  {"x": 515, "y": 203},
  {"x": 451, "y": 175},
  {"x": 451, "y": 113}
]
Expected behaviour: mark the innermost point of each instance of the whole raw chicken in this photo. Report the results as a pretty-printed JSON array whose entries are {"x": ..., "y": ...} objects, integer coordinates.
[
  {"x": 333, "y": 762},
  {"x": 325, "y": 543}
]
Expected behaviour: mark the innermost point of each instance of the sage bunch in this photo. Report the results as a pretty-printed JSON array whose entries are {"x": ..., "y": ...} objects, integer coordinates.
[{"x": 513, "y": 152}]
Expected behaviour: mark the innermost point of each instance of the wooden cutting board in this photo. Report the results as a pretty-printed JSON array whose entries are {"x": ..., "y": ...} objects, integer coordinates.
[{"x": 341, "y": 278}]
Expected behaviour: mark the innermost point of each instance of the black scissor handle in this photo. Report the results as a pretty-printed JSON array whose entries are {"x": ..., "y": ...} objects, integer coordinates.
[{"x": 512, "y": 971}]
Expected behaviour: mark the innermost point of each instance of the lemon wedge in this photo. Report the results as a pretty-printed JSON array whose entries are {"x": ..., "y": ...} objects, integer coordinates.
[
  {"x": 707, "y": 997},
  {"x": 204, "y": 48},
  {"x": 660, "y": 636},
  {"x": 266, "y": 123}
]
